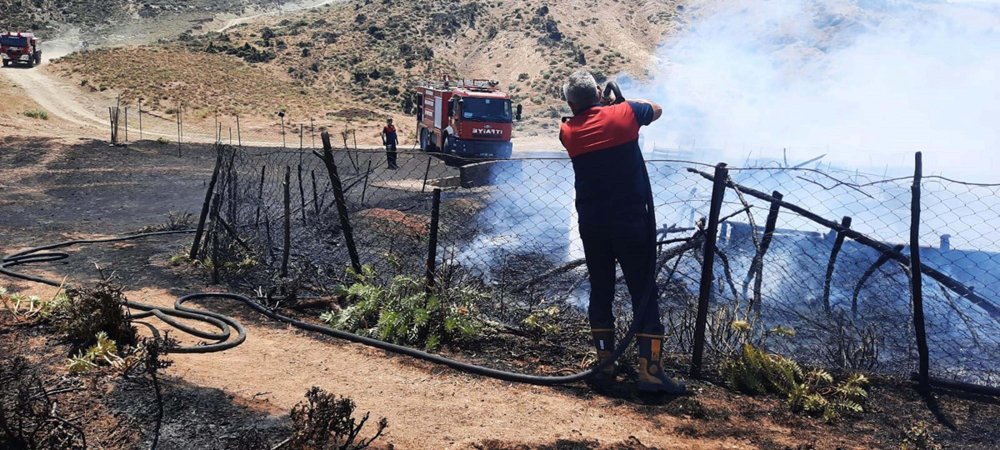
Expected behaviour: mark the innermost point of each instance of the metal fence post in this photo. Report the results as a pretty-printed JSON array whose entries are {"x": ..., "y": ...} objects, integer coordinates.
[
  {"x": 427, "y": 172},
  {"x": 707, "y": 274},
  {"x": 916, "y": 285},
  {"x": 433, "y": 238}
]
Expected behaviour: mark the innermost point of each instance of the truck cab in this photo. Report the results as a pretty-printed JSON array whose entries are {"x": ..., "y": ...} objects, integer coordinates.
[
  {"x": 20, "y": 48},
  {"x": 468, "y": 119}
]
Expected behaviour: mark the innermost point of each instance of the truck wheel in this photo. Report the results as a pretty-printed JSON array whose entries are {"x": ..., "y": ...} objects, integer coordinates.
[{"x": 6, "y": 62}]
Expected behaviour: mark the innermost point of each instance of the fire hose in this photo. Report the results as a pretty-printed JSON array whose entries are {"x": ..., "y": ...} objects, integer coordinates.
[{"x": 225, "y": 324}]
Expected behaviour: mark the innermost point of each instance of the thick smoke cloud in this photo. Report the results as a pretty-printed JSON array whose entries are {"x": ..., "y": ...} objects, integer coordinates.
[{"x": 866, "y": 82}]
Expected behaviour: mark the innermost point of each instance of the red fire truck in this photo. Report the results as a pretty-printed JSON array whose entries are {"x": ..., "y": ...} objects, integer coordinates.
[
  {"x": 20, "y": 48},
  {"x": 467, "y": 118}
]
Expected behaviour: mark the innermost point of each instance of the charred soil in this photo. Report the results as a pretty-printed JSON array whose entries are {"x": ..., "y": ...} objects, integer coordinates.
[{"x": 57, "y": 190}]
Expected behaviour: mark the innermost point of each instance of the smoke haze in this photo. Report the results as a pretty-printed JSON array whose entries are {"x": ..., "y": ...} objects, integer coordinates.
[{"x": 866, "y": 82}]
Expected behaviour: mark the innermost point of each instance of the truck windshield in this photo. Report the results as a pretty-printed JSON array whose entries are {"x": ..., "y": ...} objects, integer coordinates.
[
  {"x": 486, "y": 110},
  {"x": 13, "y": 41}
]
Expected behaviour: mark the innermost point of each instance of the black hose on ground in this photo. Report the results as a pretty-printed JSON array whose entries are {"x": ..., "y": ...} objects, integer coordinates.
[{"x": 224, "y": 324}]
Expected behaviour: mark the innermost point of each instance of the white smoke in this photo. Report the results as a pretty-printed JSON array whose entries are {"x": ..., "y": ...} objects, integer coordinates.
[{"x": 866, "y": 82}]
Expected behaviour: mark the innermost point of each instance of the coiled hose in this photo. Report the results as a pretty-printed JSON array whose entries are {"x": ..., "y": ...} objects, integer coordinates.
[{"x": 221, "y": 339}]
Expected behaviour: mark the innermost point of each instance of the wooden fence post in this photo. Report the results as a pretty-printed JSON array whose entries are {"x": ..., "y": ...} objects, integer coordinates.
[
  {"x": 916, "y": 283},
  {"x": 239, "y": 134},
  {"x": 287, "y": 217},
  {"x": 707, "y": 274},
  {"x": 757, "y": 265},
  {"x": 312, "y": 173},
  {"x": 345, "y": 222},
  {"x": 260, "y": 197},
  {"x": 364, "y": 189},
  {"x": 837, "y": 244},
  {"x": 302, "y": 195},
  {"x": 205, "y": 206}
]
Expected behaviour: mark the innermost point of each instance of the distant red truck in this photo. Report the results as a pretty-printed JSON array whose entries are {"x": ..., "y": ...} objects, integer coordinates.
[
  {"x": 468, "y": 118},
  {"x": 20, "y": 48}
]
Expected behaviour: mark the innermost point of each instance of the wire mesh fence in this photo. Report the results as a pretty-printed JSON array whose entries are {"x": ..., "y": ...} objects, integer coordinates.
[
  {"x": 177, "y": 126},
  {"x": 823, "y": 253}
]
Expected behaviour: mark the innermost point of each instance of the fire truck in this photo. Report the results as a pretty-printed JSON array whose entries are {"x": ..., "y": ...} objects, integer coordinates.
[
  {"x": 467, "y": 118},
  {"x": 20, "y": 48}
]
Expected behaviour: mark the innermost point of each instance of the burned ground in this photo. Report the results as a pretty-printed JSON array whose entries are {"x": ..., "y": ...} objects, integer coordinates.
[{"x": 59, "y": 190}]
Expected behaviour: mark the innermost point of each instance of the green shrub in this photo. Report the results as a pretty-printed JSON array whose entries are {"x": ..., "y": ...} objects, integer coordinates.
[
  {"x": 91, "y": 311},
  {"x": 754, "y": 371},
  {"x": 404, "y": 313},
  {"x": 32, "y": 307},
  {"x": 104, "y": 351},
  {"x": 37, "y": 114},
  {"x": 542, "y": 322}
]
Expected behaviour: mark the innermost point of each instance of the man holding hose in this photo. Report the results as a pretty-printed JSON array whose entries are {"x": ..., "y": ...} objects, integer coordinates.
[{"x": 617, "y": 224}]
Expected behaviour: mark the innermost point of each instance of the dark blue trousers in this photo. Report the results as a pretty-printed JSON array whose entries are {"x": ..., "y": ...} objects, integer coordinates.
[{"x": 627, "y": 239}]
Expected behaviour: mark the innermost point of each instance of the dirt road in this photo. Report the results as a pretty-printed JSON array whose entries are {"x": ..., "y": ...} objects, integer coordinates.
[
  {"x": 289, "y": 8},
  {"x": 55, "y": 96}
]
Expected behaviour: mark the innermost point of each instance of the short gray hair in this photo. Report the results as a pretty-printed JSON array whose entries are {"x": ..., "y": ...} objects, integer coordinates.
[{"x": 581, "y": 88}]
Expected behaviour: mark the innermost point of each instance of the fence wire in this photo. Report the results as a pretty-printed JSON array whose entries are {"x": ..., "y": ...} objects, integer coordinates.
[{"x": 511, "y": 226}]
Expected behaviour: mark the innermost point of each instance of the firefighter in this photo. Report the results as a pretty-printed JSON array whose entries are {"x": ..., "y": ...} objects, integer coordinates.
[
  {"x": 616, "y": 220},
  {"x": 389, "y": 140}
]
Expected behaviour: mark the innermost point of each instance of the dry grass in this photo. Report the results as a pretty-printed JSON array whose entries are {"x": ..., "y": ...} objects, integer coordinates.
[{"x": 368, "y": 54}]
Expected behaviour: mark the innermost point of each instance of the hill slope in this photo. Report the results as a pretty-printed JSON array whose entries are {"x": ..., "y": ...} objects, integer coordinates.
[
  {"x": 44, "y": 16},
  {"x": 365, "y": 54}
]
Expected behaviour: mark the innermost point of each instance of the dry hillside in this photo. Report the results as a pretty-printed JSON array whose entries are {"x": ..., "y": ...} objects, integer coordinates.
[
  {"x": 45, "y": 16},
  {"x": 363, "y": 54}
]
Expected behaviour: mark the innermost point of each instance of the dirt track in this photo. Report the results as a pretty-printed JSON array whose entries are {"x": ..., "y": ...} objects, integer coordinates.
[{"x": 55, "y": 96}]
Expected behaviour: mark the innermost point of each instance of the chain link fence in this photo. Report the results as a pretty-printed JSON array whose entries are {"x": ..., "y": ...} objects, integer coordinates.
[
  {"x": 178, "y": 127},
  {"x": 824, "y": 253}
]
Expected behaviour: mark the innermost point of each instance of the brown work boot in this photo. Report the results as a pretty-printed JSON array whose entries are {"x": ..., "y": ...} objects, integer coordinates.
[
  {"x": 651, "y": 375},
  {"x": 604, "y": 341}
]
